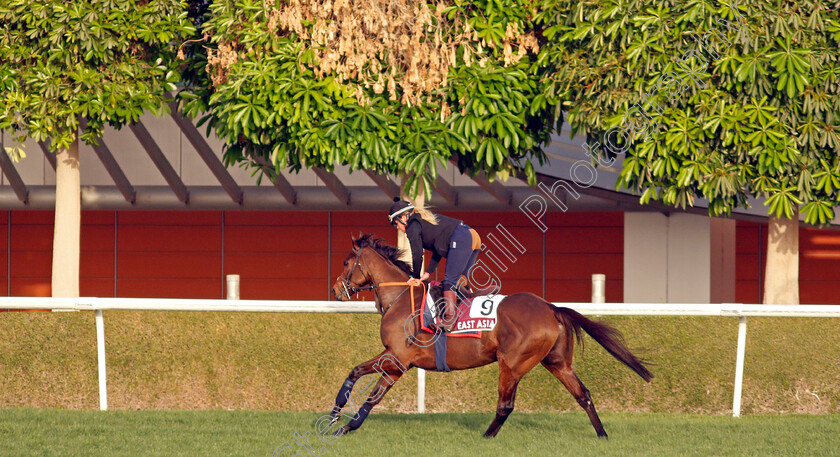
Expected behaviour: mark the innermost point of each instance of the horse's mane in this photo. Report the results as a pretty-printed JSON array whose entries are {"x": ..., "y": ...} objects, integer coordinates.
[{"x": 389, "y": 252}]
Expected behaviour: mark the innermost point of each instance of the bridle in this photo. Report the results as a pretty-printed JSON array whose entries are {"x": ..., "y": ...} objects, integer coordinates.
[{"x": 350, "y": 288}]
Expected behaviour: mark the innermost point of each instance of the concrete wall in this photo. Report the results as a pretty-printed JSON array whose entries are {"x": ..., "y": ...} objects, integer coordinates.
[{"x": 678, "y": 258}]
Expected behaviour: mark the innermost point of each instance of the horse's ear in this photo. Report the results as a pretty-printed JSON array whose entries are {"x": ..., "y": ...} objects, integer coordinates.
[{"x": 353, "y": 240}]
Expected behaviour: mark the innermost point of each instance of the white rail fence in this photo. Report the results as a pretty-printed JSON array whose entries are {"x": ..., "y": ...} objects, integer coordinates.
[{"x": 97, "y": 305}]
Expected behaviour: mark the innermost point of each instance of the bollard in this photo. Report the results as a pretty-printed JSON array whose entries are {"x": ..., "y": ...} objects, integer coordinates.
[
  {"x": 232, "y": 287},
  {"x": 598, "y": 286}
]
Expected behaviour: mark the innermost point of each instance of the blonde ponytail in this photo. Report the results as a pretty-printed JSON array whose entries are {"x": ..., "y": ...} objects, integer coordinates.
[{"x": 425, "y": 213}]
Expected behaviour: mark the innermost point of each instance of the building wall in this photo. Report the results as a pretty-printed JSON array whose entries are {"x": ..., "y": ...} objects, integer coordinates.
[
  {"x": 750, "y": 260},
  {"x": 292, "y": 255},
  {"x": 298, "y": 255},
  {"x": 819, "y": 264},
  {"x": 579, "y": 245}
]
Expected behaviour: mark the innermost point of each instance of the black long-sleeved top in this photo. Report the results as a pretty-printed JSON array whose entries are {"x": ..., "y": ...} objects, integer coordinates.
[{"x": 424, "y": 235}]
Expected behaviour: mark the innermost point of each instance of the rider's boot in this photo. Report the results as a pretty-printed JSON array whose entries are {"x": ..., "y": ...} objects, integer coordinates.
[{"x": 449, "y": 311}]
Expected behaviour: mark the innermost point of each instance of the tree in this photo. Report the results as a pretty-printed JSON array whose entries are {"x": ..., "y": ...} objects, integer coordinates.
[
  {"x": 396, "y": 87},
  {"x": 104, "y": 61},
  {"x": 709, "y": 99}
]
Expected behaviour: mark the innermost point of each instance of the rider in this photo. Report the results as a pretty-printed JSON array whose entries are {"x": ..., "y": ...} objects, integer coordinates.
[{"x": 446, "y": 238}]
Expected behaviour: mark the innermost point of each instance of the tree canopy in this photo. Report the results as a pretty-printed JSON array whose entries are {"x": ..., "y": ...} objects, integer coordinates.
[
  {"x": 105, "y": 60},
  {"x": 91, "y": 63},
  {"x": 740, "y": 99},
  {"x": 392, "y": 87}
]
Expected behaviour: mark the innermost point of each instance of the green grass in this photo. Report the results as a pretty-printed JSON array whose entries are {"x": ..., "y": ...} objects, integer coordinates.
[
  {"x": 296, "y": 362},
  {"x": 51, "y": 433}
]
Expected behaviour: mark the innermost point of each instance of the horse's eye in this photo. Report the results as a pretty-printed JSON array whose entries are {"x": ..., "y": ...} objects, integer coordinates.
[{"x": 345, "y": 263}]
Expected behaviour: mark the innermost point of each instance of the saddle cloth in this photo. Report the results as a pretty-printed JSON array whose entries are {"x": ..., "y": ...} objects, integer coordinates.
[{"x": 475, "y": 315}]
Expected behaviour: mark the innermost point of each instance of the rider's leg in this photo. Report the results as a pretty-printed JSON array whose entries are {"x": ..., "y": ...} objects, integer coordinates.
[
  {"x": 466, "y": 273},
  {"x": 476, "y": 247},
  {"x": 457, "y": 261},
  {"x": 464, "y": 289}
]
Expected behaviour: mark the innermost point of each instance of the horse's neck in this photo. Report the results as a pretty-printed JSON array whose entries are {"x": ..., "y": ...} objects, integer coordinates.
[{"x": 383, "y": 271}]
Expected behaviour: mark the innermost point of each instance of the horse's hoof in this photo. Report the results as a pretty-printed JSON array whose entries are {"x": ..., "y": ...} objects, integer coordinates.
[
  {"x": 333, "y": 419},
  {"x": 341, "y": 431},
  {"x": 603, "y": 436}
]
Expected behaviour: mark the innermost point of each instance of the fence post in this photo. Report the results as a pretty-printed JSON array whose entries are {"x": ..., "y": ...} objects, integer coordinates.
[
  {"x": 598, "y": 287},
  {"x": 232, "y": 287},
  {"x": 421, "y": 390},
  {"x": 739, "y": 366},
  {"x": 100, "y": 356}
]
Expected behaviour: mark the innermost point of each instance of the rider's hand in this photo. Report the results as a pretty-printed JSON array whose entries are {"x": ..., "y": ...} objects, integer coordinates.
[
  {"x": 414, "y": 282},
  {"x": 424, "y": 276}
]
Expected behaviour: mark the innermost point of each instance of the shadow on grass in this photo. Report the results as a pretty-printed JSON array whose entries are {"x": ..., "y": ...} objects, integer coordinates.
[
  {"x": 477, "y": 423},
  {"x": 472, "y": 422}
]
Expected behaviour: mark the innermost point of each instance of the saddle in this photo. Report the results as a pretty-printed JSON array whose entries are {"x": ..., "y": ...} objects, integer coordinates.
[
  {"x": 431, "y": 321},
  {"x": 436, "y": 292}
]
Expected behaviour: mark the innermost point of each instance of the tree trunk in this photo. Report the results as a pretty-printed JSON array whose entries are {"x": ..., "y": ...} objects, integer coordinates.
[
  {"x": 402, "y": 239},
  {"x": 781, "y": 278},
  {"x": 68, "y": 206}
]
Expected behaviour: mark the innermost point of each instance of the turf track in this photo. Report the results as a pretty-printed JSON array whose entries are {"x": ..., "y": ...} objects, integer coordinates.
[{"x": 30, "y": 432}]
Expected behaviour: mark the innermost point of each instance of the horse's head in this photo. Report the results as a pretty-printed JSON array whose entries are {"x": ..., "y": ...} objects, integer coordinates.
[
  {"x": 370, "y": 261},
  {"x": 353, "y": 276}
]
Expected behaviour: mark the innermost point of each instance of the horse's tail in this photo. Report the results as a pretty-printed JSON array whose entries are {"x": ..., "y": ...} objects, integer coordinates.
[{"x": 610, "y": 338}]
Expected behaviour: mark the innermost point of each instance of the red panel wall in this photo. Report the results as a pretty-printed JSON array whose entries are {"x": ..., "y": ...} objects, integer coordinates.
[
  {"x": 96, "y": 275},
  {"x": 174, "y": 254},
  {"x": 819, "y": 266},
  {"x": 282, "y": 255},
  {"x": 750, "y": 258},
  {"x": 278, "y": 255},
  {"x": 4, "y": 252},
  {"x": 31, "y": 252},
  {"x": 579, "y": 245},
  {"x": 293, "y": 255}
]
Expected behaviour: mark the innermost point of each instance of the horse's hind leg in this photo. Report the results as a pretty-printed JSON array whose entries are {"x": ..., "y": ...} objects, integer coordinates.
[
  {"x": 508, "y": 381},
  {"x": 567, "y": 376}
]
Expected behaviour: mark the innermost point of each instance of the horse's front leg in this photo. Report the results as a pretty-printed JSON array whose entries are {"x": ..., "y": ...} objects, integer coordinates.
[
  {"x": 385, "y": 363},
  {"x": 390, "y": 376}
]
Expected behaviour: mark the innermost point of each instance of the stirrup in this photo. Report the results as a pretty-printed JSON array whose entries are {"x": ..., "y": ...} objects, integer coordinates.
[{"x": 447, "y": 328}]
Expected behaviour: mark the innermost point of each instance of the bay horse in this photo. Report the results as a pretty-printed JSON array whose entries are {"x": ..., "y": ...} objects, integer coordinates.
[{"x": 529, "y": 331}]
